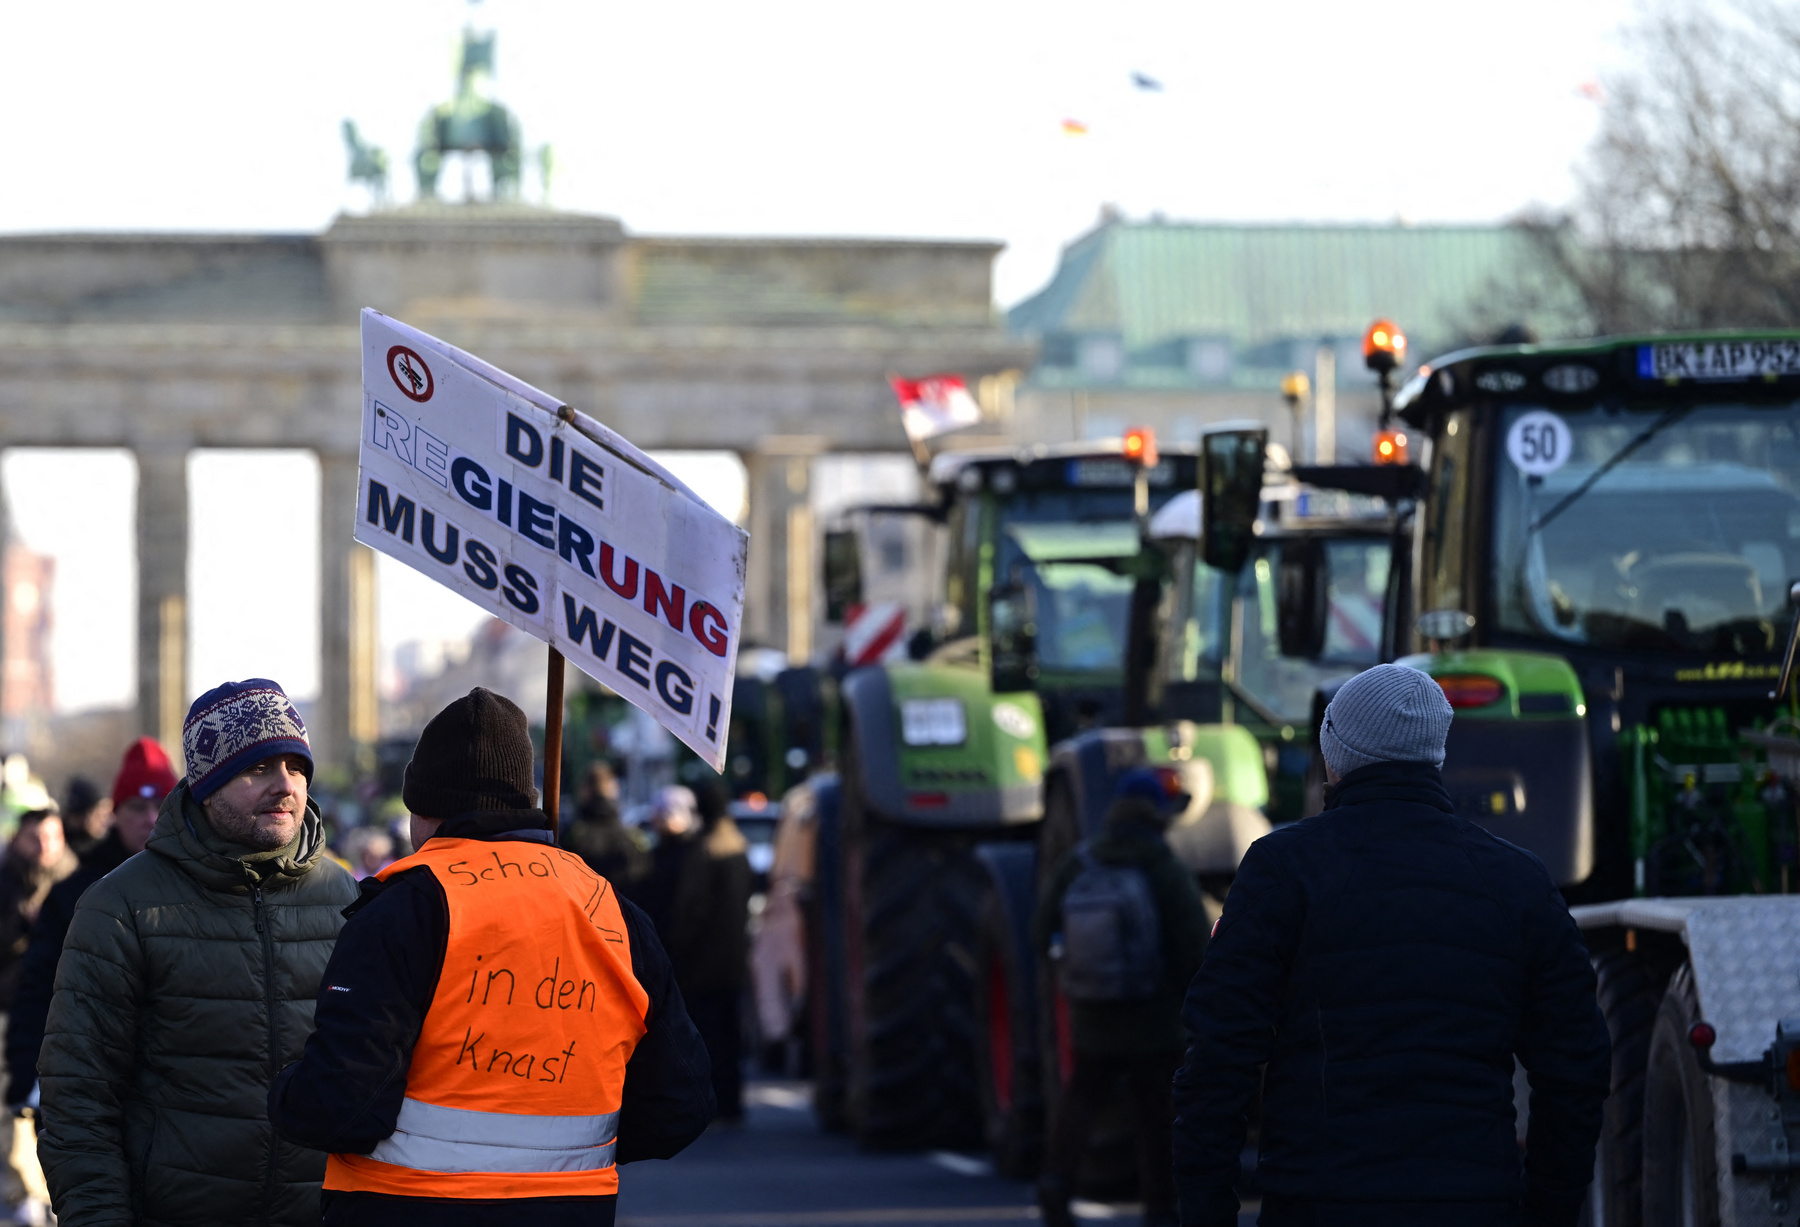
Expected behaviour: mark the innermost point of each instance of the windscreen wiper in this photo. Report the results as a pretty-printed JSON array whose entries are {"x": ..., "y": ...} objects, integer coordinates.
[{"x": 1650, "y": 432}]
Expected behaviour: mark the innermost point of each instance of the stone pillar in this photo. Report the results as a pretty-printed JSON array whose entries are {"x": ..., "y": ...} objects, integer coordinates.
[
  {"x": 346, "y": 724},
  {"x": 162, "y": 618},
  {"x": 778, "y": 589}
]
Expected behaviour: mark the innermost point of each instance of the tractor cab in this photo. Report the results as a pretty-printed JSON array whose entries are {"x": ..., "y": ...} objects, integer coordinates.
[{"x": 1603, "y": 563}]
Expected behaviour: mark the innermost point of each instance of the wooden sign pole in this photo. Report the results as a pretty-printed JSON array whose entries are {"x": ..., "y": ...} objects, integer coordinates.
[{"x": 553, "y": 737}]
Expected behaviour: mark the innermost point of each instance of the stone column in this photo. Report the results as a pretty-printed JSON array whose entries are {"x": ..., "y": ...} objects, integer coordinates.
[
  {"x": 779, "y": 581},
  {"x": 162, "y": 619},
  {"x": 346, "y": 721}
]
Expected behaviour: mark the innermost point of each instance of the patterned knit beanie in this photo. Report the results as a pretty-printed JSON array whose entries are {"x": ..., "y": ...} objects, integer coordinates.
[
  {"x": 474, "y": 755},
  {"x": 235, "y": 726},
  {"x": 1386, "y": 714}
]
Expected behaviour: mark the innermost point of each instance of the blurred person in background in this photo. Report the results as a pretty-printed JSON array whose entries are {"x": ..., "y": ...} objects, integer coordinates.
[
  {"x": 706, "y": 929},
  {"x": 598, "y": 836},
  {"x": 145, "y": 777},
  {"x": 1125, "y": 925},
  {"x": 368, "y": 850},
  {"x": 87, "y": 816},
  {"x": 673, "y": 820},
  {"x": 36, "y": 860},
  {"x": 188, "y": 977}
]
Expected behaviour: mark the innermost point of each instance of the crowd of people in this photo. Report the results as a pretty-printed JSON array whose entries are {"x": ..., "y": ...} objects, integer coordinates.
[
  {"x": 165, "y": 951},
  {"x": 215, "y": 1017}
]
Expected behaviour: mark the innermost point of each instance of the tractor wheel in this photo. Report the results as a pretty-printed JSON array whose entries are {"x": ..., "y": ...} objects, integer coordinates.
[
  {"x": 909, "y": 976},
  {"x": 1007, "y": 1068},
  {"x": 825, "y": 1004},
  {"x": 1630, "y": 991},
  {"x": 1681, "y": 1178}
]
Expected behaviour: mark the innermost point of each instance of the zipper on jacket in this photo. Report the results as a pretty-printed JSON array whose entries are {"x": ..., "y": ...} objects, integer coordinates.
[{"x": 268, "y": 946}]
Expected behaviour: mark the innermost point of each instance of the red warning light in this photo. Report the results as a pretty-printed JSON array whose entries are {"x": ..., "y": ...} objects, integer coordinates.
[
  {"x": 1390, "y": 447},
  {"x": 1140, "y": 446}
]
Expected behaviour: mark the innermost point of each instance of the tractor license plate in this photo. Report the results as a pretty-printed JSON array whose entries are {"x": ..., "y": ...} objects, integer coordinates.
[{"x": 1719, "y": 359}]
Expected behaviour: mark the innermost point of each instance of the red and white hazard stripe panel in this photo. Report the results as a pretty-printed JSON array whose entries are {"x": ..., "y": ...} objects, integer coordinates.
[{"x": 874, "y": 633}]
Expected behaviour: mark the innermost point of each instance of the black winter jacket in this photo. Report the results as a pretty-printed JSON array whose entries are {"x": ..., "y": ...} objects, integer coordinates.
[
  {"x": 1388, "y": 960},
  {"x": 37, "y": 970},
  {"x": 344, "y": 1094}
]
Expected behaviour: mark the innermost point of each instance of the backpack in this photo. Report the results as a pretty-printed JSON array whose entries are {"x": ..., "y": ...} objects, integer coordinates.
[{"x": 1112, "y": 935}]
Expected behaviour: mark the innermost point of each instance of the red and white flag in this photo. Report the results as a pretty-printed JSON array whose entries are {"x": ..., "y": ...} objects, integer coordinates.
[
  {"x": 874, "y": 633},
  {"x": 935, "y": 405}
]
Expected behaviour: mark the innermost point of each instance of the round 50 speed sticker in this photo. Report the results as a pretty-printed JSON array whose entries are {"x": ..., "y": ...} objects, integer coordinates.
[{"x": 1539, "y": 443}]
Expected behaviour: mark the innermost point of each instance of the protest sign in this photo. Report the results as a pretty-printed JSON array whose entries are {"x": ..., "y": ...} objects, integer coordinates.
[{"x": 547, "y": 519}]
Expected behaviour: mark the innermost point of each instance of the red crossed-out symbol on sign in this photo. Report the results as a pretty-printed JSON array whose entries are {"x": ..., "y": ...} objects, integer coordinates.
[{"x": 409, "y": 372}]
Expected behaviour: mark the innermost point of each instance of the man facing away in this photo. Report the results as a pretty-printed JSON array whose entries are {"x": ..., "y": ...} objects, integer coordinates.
[
  {"x": 187, "y": 978},
  {"x": 497, "y": 1028},
  {"x": 145, "y": 777},
  {"x": 1122, "y": 1032},
  {"x": 1388, "y": 960}
]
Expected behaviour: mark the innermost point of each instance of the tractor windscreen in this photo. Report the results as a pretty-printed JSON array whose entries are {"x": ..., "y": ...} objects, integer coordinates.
[
  {"x": 1069, "y": 548},
  {"x": 1675, "y": 529}
]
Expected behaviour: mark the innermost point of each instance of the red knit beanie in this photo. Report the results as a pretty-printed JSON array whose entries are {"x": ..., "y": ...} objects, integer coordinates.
[{"x": 146, "y": 772}]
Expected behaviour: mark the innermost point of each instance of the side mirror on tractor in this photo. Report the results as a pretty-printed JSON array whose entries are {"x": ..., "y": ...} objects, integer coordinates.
[
  {"x": 1231, "y": 479},
  {"x": 1012, "y": 623},
  {"x": 1302, "y": 597},
  {"x": 843, "y": 574}
]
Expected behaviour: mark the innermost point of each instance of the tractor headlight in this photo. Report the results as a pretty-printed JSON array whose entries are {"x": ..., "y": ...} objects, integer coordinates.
[{"x": 933, "y": 722}]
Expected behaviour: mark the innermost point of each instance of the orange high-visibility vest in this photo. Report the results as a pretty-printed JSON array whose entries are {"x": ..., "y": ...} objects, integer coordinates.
[{"x": 519, "y": 1070}]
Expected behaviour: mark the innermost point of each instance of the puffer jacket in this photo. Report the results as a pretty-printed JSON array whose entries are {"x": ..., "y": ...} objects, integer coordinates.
[{"x": 187, "y": 980}]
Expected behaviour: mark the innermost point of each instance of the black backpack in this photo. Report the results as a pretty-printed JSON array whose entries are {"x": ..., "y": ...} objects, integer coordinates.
[{"x": 1112, "y": 935}]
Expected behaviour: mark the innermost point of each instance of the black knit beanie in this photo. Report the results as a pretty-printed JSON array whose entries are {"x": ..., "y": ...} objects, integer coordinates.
[{"x": 475, "y": 754}]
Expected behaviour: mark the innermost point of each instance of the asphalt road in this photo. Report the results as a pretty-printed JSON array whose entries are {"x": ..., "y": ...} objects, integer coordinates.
[{"x": 778, "y": 1170}]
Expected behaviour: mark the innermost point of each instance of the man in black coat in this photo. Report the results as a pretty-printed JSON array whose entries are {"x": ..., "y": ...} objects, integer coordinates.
[
  {"x": 350, "y": 1090},
  {"x": 1387, "y": 961}
]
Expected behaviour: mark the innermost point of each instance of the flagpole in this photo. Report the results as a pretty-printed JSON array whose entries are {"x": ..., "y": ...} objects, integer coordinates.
[{"x": 553, "y": 736}]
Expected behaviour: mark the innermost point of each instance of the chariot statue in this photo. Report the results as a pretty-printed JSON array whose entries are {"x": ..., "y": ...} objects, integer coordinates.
[{"x": 471, "y": 122}]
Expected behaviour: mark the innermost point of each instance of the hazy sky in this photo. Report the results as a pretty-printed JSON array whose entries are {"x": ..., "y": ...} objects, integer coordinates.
[{"x": 933, "y": 118}]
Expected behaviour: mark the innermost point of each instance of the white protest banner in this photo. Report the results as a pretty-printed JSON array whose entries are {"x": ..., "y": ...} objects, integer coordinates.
[{"x": 554, "y": 523}]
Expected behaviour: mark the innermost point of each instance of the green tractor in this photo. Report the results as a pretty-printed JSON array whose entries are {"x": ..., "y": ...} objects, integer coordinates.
[
  {"x": 1219, "y": 701},
  {"x": 1602, "y": 563},
  {"x": 937, "y": 753}
]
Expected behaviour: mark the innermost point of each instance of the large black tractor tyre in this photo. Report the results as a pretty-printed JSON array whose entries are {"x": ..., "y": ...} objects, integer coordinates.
[
  {"x": 1007, "y": 1074},
  {"x": 910, "y": 900},
  {"x": 825, "y": 954},
  {"x": 1631, "y": 987},
  {"x": 1109, "y": 1170},
  {"x": 1681, "y": 1177}
]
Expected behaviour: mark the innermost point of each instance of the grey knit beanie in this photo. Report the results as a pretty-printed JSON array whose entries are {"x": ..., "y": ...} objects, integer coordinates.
[{"x": 1386, "y": 714}]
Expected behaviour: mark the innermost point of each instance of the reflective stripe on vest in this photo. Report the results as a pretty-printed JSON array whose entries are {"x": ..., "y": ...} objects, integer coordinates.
[
  {"x": 518, "y": 1073},
  {"x": 438, "y": 1139}
]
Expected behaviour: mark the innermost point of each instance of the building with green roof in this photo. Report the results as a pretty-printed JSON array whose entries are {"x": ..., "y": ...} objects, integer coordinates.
[{"x": 1175, "y": 325}]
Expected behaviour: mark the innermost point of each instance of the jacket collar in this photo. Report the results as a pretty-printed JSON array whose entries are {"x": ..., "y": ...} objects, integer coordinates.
[
  {"x": 1420, "y": 783},
  {"x": 527, "y": 824},
  {"x": 183, "y": 835}
]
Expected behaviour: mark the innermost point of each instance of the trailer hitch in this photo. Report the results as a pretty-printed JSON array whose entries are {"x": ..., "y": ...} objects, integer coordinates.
[{"x": 1778, "y": 1073}]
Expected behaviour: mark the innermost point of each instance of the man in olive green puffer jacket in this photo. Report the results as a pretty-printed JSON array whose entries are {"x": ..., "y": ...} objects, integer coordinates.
[{"x": 187, "y": 980}]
